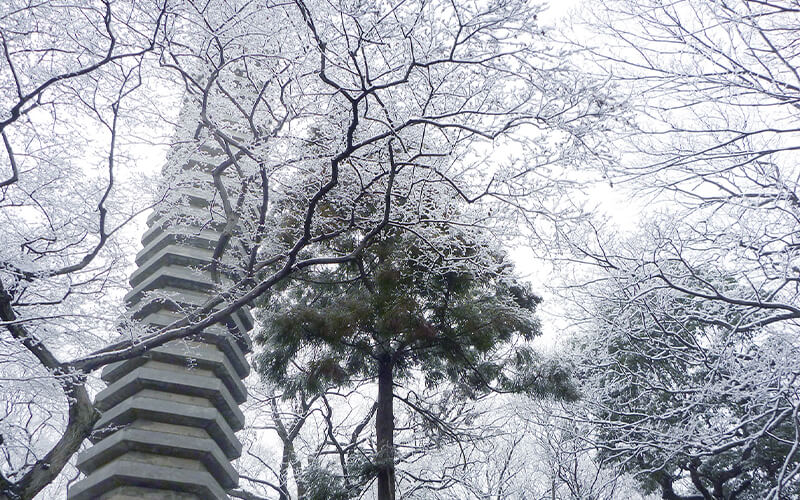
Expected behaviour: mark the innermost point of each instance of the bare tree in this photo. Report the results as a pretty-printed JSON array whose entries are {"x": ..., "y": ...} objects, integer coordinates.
[
  {"x": 322, "y": 437},
  {"x": 523, "y": 448},
  {"x": 695, "y": 408},
  {"x": 66, "y": 111},
  {"x": 694, "y": 366},
  {"x": 326, "y": 442}
]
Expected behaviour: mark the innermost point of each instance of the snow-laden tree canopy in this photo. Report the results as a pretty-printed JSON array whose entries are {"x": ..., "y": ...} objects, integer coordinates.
[{"x": 407, "y": 103}]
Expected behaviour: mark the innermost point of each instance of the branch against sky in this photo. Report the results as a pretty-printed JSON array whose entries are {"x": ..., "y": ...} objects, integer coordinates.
[
  {"x": 413, "y": 99},
  {"x": 711, "y": 151},
  {"x": 683, "y": 400},
  {"x": 693, "y": 376}
]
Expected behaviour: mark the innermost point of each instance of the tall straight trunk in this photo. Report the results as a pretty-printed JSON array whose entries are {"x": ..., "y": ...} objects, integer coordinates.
[{"x": 384, "y": 429}]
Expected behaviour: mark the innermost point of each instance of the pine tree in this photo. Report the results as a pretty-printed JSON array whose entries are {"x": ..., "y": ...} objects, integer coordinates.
[{"x": 397, "y": 312}]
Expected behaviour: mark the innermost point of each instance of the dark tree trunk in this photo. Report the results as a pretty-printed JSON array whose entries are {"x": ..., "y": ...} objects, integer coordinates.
[
  {"x": 81, "y": 419},
  {"x": 668, "y": 493},
  {"x": 384, "y": 429}
]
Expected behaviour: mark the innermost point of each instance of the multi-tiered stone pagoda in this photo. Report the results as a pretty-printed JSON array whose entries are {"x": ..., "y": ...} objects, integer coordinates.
[{"x": 169, "y": 416}]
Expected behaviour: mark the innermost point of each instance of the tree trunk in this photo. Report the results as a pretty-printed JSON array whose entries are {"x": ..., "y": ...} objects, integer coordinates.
[
  {"x": 384, "y": 429},
  {"x": 81, "y": 419}
]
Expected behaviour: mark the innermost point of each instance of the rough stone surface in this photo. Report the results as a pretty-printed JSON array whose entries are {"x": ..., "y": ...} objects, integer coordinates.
[{"x": 137, "y": 493}]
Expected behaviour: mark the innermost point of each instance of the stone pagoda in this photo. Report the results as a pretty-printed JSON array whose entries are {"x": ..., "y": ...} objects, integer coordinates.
[{"x": 169, "y": 416}]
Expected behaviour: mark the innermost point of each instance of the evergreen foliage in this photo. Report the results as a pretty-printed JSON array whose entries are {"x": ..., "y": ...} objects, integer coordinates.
[
  {"x": 466, "y": 327},
  {"x": 397, "y": 313}
]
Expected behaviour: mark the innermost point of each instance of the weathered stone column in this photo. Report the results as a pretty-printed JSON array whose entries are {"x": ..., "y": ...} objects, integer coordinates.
[{"x": 169, "y": 416}]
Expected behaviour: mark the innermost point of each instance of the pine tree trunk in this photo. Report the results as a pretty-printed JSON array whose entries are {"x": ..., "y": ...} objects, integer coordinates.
[{"x": 384, "y": 429}]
